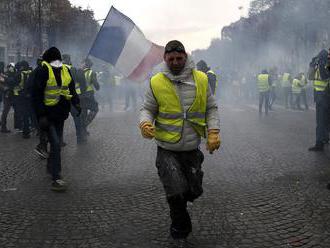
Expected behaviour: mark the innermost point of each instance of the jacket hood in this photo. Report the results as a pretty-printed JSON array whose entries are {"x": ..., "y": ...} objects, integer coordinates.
[
  {"x": 52, "y": 54},
  {"x": 184, "y": 75}
]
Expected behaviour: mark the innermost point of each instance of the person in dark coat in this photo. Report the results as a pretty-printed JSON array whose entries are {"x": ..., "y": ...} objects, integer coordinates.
[
  {"x": 52, "y": 95},
  {"x": 10, "y": 82}
]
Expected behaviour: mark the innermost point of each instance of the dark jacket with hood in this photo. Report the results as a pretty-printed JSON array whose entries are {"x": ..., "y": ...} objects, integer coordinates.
[
  {"x": 60, "y": 111},
  {"x": 320, "y": 62}
]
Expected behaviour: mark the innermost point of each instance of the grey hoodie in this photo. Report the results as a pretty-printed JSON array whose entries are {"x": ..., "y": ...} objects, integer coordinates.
[{"x": 186, "y": 90}]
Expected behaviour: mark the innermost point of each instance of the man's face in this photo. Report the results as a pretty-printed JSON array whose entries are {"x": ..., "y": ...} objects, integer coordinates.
[{"x": 175, "y": 61}]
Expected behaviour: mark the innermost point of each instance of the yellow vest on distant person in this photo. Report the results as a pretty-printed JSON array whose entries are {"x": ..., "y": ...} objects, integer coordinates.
[
  {"x": 20, "y": 86},
  {"x": 170, "y": 118},
  {"x": 296, "y": 86},
  {"x": 88, "y": 76},
  {"x": 263, "y": 82},
  {"x": 76, "y": 84},
  {"x": 285, "y": 80}
]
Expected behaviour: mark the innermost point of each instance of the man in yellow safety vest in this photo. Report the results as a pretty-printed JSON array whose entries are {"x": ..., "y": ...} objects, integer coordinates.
[
  {"x": 321, "y": 97},
  {"x": 179, "y": 109},
  {"x": 263, "y": 85},
  {"x": 52, "y": 95}
]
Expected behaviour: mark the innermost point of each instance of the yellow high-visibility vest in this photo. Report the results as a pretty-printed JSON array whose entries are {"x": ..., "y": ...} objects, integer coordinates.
[
  {"x": 20, "y": 86},
  {"x": 318, "y": 84},
  {"x": 88, "y": 76},
  {"x": 296, "y": 86},
  {"x": 77, "y": 85},
  {"x": 285, "y": 80},
  {"x": 263, "y": 82},
  {"x": 170, "y": 118},
  {"x": 53, "y": 92}
]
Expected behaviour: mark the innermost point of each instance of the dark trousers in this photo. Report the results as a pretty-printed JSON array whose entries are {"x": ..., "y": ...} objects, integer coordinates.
[
  {"x": 43, "y": 139},
  {"x": 322, "y": 117},
  {"x": 181, "y": 222},
  {"x": 89, "y": 110},
  {"x": 18, "y": 111},
  {"x": 55, "y": 132},
  {"x": 27, "y": 114},
  {"x": 181, "y": 176},
  {"x": 272, "y": 97},
  {"x": 264, "y": 98},
  {"x": 287, "y": 94},
  {"x": 80, "y": 131},
  {"x": 296, "y": 103},
  {"x": 7, "y": 103},
  {"x": 303, "y": 97}
]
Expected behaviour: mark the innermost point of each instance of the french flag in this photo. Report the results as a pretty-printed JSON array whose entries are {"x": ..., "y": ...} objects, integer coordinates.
[{"x": 121, "y": 43}]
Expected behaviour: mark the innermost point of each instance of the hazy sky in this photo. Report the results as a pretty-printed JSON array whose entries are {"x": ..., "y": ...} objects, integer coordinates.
[{"x": 194, "y": 22}]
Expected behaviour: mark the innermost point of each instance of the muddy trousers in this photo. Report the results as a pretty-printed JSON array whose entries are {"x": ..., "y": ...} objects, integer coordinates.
[{"x": 181, "y": 176}]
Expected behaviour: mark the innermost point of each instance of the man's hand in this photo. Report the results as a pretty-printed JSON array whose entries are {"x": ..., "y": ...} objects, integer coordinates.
[
  {"x": 213, "y": 140},
  {"x": 147, "y": 130}
]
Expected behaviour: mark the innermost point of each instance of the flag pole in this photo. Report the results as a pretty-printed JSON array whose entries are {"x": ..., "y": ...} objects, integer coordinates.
[{"x": 99, "y": 31}]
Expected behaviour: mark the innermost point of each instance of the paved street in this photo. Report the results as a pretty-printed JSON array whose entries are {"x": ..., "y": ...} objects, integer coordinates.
[{"x": 263, "y": 189}]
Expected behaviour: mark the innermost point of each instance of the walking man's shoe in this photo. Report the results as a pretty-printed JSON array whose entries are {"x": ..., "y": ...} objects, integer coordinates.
[
  {"x": 59, "y": 185},
  {"x": 316, "y": 148}
]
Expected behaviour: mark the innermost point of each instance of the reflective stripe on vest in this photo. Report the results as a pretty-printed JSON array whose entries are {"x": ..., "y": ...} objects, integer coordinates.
[
  {"x": 319, "y": 85},
  {"x": 77, "y": 86},
  {"x": 263, "y": 82},
  {"x": 88, "y": 77},
  {"x": 20, "y": 86},
  {"x": 170, "y": 119},
  {"x": 285, "y": 80},
  {"x": 52, "y": 91},
  {"x": 296, "y": 89}
]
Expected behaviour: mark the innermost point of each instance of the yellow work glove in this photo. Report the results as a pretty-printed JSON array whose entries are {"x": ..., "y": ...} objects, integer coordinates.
[
  {"x": 147, "y": 130},
  {"x": 213, "y": 140}
]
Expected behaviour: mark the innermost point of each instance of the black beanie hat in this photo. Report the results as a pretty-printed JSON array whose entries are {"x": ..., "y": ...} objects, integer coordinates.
[
  {"x": 52, "y": 54},
  {"x": 174, "y": 46}
]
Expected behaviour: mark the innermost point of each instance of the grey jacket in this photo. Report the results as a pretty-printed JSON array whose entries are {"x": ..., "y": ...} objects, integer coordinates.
[{"x": 186, "y": 90}]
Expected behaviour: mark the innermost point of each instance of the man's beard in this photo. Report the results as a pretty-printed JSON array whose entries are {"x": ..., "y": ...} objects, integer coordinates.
[{"x": 176, "y": 71}]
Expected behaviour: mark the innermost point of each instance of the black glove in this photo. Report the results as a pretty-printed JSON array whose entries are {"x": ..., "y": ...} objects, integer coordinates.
[{"x": 43, "y": 123}]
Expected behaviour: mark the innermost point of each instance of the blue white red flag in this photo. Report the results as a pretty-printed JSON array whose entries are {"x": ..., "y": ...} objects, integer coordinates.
[{"x": 121, "y": 43}]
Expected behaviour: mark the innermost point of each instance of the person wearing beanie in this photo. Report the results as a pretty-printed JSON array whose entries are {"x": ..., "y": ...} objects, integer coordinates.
[
  {"x": 52, "y": 95},
  {"x": 179, "y": 109},
  {"x": 10, "y": 82},
  {"x": 22, "y": 105},
  {"x": 212, "y": 77},
  {"x": 88, "y": 84},
  {"x": 80, "y": 134}
]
